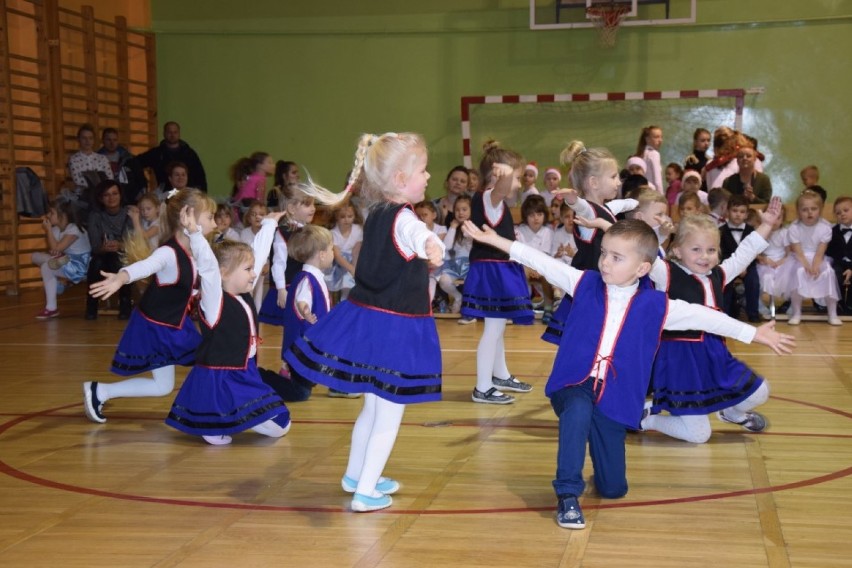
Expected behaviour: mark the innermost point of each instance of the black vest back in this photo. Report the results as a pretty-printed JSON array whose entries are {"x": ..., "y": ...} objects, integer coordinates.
[
  {"x": 168, "y": 304},
  {"x": 227, "y": 344},
  {"x": 589, "y": 252},
  {"x": 504, "y": 227},
  {"x": 384, "y": 278}
]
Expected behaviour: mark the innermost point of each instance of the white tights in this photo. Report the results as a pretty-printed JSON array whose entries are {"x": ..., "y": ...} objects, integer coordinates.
[
  {"x": 49, "y": 277},
  {"x": 373, "y": 437},
  {"x": 491, "y": 354},
  {"x": 161, "y": 384},
  {"x": 696, "y": 429}
]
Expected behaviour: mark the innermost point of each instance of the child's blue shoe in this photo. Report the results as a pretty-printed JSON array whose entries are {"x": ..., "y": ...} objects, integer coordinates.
[
  {"x": 385, "y": 485},
  {"x": 568, "y": 513},
  {"x": 364, "y": 503}
]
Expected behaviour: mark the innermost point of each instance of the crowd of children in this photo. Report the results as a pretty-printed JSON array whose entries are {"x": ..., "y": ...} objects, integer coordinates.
[{"x": 635, "y": 273}]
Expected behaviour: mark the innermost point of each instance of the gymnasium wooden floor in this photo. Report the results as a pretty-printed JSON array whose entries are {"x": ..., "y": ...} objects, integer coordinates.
[{"x": 477, "y": 478}]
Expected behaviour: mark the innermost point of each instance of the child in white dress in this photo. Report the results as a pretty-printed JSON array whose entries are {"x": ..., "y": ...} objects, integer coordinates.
[{"x": 812, "y": 275}]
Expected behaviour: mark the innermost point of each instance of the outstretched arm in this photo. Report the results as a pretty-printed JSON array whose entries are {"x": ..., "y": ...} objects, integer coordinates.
[{"x": 683, "y": 316}]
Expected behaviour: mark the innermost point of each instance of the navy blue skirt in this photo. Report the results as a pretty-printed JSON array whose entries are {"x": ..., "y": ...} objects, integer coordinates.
[
  {"x": 269, "y": 312},
  {"x": 360, "y": 349},
  {"x": 497, "y": 289},
  {"x": 215, "y": 402},
  {"x": 699, "y": 377},
  {"x": 147, "y": 345}
]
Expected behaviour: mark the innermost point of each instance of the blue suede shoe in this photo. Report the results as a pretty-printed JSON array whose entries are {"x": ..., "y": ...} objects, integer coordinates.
[
  {"x": 568, "y": 513},
  {"x": 385, "y": 485},
  {"x": 364, "y": 503}
]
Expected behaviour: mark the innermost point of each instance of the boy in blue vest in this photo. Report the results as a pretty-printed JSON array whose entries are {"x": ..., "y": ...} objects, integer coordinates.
[
  {"x": 307, "y": 301},
  {"x": 602, "y": 368}
]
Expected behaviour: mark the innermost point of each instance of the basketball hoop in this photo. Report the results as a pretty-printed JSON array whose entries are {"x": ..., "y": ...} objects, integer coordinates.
[{"x": 607, "y": 18}]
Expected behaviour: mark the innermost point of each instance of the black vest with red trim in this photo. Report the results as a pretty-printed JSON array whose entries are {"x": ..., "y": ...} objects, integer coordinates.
[
  {"x": 588, "y": 252},
  {"x": 168, "y": 304},
  {"x": 687, "y": 287},
  {"x": 227, "y": 344},
  {"x": 294, "y": 266},
  {"x": 504, "y": 227},
  {"x": 384, "y": 277}
]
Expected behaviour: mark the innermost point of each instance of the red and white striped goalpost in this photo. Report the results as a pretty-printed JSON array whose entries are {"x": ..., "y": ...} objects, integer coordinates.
[{"x": 466, "y": 102}]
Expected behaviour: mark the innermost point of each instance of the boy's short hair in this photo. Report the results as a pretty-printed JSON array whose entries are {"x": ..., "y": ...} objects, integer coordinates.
[
  {"x": 737, "y": 200},
  {"x": 640, "y": 234},
  {"x": 717, "y": 196},
  {"x": 308, "y": 241},
  {"x": 426, "y": 204},
  {"x": 811, "y": 168},
  {"x": 841, "y": 199},
  {"x": 222, "y": 209},
  {"x": 563, "y": 209},
  {"x": 646, "y": 197}
]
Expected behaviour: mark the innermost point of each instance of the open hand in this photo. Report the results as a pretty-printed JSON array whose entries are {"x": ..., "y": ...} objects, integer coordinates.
[{"x": 781, "y": 343}]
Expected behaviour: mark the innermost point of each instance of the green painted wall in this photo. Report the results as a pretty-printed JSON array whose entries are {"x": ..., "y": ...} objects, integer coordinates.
[{"x": 302, "y": 79}]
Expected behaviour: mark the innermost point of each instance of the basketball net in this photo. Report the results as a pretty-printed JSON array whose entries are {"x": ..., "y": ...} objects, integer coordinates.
[{"x": 607, "y": 18}]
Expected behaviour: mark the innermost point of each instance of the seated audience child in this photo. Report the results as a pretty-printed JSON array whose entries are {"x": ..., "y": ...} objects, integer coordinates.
[
  {"x": 732, "y": 233},
  {"x": 457, "y": 256},
  {"x": 428, "y": 214},
  {"x": 717, "y": 202},
  {"x": 224, "y": 230},
  {"x": 347, "y": 235},
  {"x": 535, "y": 232},
  {"x": 840, "y": 251},
  {"x": 67, "y": 256},
  {"x": 813, "y": 276},
  {"x": 551, "y": 195},
  {"x": 564, "y": 246},
  {"x": 691, "y": 183},
  {"x": 773, "y": 266}
]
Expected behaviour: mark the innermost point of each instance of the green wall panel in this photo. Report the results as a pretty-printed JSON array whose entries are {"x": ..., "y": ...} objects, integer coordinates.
[{"x": 302, "y": 80}]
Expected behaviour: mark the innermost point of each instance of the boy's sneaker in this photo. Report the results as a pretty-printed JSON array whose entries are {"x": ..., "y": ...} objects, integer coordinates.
[
  {"x": 385, "y": 485},
  {"x": 364, "y": 503},
  {"x": 47, "y": 314},
  {"x": 466, "y": 321},
  {"x": 511, "y": 384},
  {"x": 91, "y": 404},
  {"x": 569, "y": 515},
  {"x": 753, "y": 422},
  {"x": 546, "y": 317},
  {"x": 491, "y": 396}
]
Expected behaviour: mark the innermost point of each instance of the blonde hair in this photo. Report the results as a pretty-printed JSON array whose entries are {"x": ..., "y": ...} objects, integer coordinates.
[
  {"x": 137, "y": 248},
  {"x": 690, "y": 225},
  {"x": 308, "y": 241},
  {"x": 585, "y": 163},
  {"x": 378, "y": 159},
  {"x": 808, "y": 194},
  {"x": 646, "y": 197},
  {"x": 229, "y": 254},
  {"x": 249, "y": 206}
]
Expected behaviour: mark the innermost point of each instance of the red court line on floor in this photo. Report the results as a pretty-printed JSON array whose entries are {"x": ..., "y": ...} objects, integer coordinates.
[{"x": 23, "y": 476}]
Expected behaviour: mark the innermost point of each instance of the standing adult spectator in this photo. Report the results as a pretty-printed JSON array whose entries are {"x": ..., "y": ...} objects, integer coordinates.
[
  {"x": 125, "y": 168},
  {"x": 700, "y": 144},
  {"x": 86, "y": 167},
  {"x": 173, "y": 149},
  {"x": 755, "y": 186}
]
